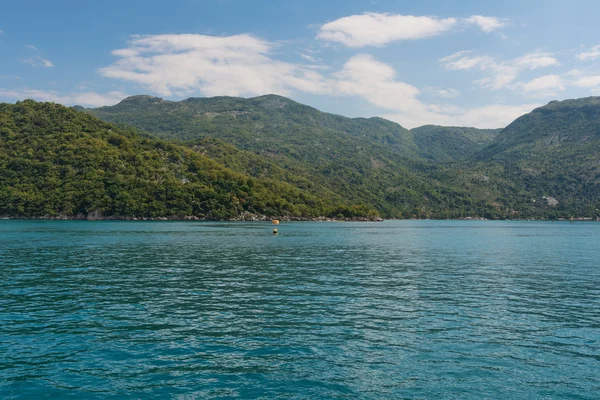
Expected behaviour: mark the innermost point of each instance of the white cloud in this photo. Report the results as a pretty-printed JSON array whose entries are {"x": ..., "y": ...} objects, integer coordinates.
[
  {"x": 502, "y": 73},
  {"x": 462, "y": 60},
  {"x": 490, "y": 116},
  {"x": 187, "y": 63},
  {"x": 535, "y": 60},
  {"x": 486, "y": 24},
  {"x": 575, "y": 72},
  {"x": 243, "y": 65},
  {"x": 375, "y": 81},
  {"x": 364, "y": 76},
  {"x": 90, "y": 99},
  {"x": 37, "y": 60},
  {"x": 47, "y": 64},
  {"x": 377, "y": 29},
  {"x": 445, "y": 93},
  {"x": 547, "y": 83},
  {"x": 584, "y": 79},
  {"x": 309, "y": 58},
  {"x": 593, "y": 54},
  {"x": 587, "y": 81},
  {"x": 372, "y": 29}
]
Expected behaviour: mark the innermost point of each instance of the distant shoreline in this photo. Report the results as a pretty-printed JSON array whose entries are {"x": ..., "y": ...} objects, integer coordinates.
[
  {"x": 283, "y": 219},
  {"x": 189, "y": 218}
]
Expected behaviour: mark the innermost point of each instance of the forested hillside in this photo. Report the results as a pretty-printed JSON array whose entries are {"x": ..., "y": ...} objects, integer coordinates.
[
  {"x": 368, "y": 161},
  {"x": 544, "y": 165},
  {"x": 451, "y": 143},
  {"x": 55, "y": 161},
  {"x": 226, "y": 157}
]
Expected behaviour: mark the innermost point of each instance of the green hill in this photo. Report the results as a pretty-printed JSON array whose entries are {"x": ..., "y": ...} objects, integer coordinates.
[
  {"x": 368, "y": 161},
  {"x": 290, "y": 129},
  {"x": 552, "y": 153},
  {"x": 270, "y": 155},
  {"x": 276, "y": 123},
  {"x": 545, "y": 164},
  {"x": 58, "y": 162},
  {"x": 450, "y": 143},
  {"x": 558, "y": 125}
]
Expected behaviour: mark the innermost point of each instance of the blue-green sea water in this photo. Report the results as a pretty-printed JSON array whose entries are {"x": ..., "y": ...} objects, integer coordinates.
[{"x": 399, "y": 309}]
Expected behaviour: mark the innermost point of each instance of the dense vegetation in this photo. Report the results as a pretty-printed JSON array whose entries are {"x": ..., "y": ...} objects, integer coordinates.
[
  {"x": 369, "y": 161},
  {"x": 224, "y": 157},
  {"x": 451, "y": 143},
  {"x": 430, "y": 171},
  {"x": 277, "y": 126},
  {"x": 55, "y": 161},
  {"x": 554, "y": 151}
]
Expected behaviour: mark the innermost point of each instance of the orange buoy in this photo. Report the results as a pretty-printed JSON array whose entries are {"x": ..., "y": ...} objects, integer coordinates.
[{"x": 275, "y": 222}]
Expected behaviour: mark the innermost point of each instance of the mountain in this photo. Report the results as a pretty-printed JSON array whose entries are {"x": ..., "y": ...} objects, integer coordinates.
[
  {"x": 290, "y": 128},
  {"x": 363, "y": 160},
  {"x": 553, "y": 155},
  {"x": 283, "y": 126},
  {"x": 450, "y": 143},
  {"x": 58, "y": 162},
  {"x": 558, "y": 125},
  {"x": 543, "y": 165}
]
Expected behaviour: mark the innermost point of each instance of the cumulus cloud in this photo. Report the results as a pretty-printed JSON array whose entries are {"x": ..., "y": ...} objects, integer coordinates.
[
  {"x": 593, "y": 54},
  {"x": 245, "y": 65},
  {"x": 587, "y": 81},
  {"x": 535, "y": 60},
  {"x": 547, "y": 84},
  {"x": 486, "y": 24},
  {"x": 501, "y": 73},
  {"x": 583, "y": 79},
  {"x": 372, "y": 29},
  {"x": 444, "y": 93},
  {"x": 376, "y": 29},
  {"x": 490, "y": 116},
  {"x": 365, "y": 77},
  {"x": 90, "y": 99},
  {"x": 232, "y": 65}
]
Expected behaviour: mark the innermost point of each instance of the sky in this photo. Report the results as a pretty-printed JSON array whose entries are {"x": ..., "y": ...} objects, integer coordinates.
[{"x": 463, "y": 63}]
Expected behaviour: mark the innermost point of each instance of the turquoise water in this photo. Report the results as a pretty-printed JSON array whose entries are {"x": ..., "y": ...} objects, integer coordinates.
[{"x": 399, "y": 309}]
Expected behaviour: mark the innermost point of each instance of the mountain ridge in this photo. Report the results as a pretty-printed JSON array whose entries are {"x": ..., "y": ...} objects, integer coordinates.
[
  {"x": 56, "y": 162},
  {"x": 272, "y": 95},
  {"x": 475, "y": 161},
  {"x": 543, "y": 165}
]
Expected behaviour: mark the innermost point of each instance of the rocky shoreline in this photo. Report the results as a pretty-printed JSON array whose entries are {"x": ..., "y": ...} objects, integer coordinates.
[{"x": 243, "y": 217}]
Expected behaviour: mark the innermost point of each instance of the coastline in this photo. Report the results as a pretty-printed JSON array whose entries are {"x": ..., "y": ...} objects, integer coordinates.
[
  {"x": 264, "y": 218},
  {"x": 243, "y": 218}
]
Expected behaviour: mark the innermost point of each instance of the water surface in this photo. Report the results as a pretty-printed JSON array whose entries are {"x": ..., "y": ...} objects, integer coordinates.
[{"x": 399, "y": 309}]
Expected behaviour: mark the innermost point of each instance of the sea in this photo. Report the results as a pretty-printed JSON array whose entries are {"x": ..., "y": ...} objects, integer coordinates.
[{"x": 322, "y": 310}]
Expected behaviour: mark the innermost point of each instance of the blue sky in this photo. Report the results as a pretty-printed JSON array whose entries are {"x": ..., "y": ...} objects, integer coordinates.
[{"x": 472, "y": 63}]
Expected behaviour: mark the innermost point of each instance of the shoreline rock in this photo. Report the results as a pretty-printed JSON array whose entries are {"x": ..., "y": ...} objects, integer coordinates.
[{"x": 247, "y": 218}]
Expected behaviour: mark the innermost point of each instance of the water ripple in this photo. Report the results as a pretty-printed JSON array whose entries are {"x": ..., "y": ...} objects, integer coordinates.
[{"x": 323, "y": 311}]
